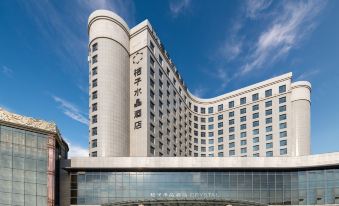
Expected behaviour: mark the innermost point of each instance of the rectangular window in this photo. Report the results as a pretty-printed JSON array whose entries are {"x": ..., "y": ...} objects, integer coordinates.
[
  {"x": 94, "y": 71},
  {"x": 152, "y": 47},
  {"x": 94, "y": 47},
  {"x": 211, "y": 126},
  {"x": 243, "y": 111},
  {"x": 220, "y": 147},
  {"x": 255, "y": 123},
  {"x": 94, "y": 119},
  {"x": 231, "y": 153},
  {"x": 210, "y": 134},
  {"x": 202, "y": 110},
  {"x": 283, "y": 125},
  {"x": 282, "y": 117},
  {"x": 94, "y": 59},
  {"x": 269, "y": 129},
  {"x": 231, "y": 129},
  {"x": 243, "y": 142},
  {"x": 269, "y": 137},
  {"x": 255, "y": 107},
  {"x": 231, "y": 145},
  {"x": 269, "y": 154},
  {"x": 210, "y": 110},
  {"x": 210, "y": 119},
  {"x": 220, "y": 124},
  {"x": 220, "y": 107},
  {"x": 94, "y": 154},
  {"x": 211, "y": 141},
  {"x": 220, "y": 139},
  {"x": 268, "y": 93},
  {"x": 255, "y": 139},
  {"x": 94, "y": 83},
  {"x": 242, "y": 100},
  {"x": 283, "y": 143},
  {"x": 255, "y": 116},
  {"x": 282, "y": 88},
  {"x": 231, "y": 137},
  {"x": 152, "y": 61},
  {"x": 94, "y": 143},
  {"x": 202, "y": 119},
  {"x": 243, "y": 126},
  {"x": 255, "y": 131},
  {"x": 255, "y": 97},
  {"x": 256, "y": 148},
  {"x": 269, "y": 145},
  {"x": 94, "y": 107},
  {"x": 243, "y": 119},
  {"x": 231, "y": 104},
  {"x": 282, "y": 100},
  {"x": 220, "y": 117},
  {"x": 94, "y": 131},
  {"x": 283, "y": 151},
  {"x": 268, "y": 112},
  {"x": 231, "y": 114},
  {"x": 269, "y": 120},
  {"x": 243, "y": 150},
  {"x": 282, "y": 108},
  {"x": 152, "y": 150},
  {"x": 268, "y": 103},
  {"x": 231, "y": 121},
  {"x": 283, "y": 134},
  {"x": 243, "y": 134},
  {"x": 160, "y": 60},
  {"x": 95, "y": 95}
]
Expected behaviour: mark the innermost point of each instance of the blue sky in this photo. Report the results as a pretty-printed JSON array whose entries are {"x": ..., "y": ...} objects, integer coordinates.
[{"x": 218, "y": 46}]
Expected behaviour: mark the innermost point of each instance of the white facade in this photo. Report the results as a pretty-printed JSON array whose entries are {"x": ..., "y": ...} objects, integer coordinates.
[{"x": 143, "y": 107}]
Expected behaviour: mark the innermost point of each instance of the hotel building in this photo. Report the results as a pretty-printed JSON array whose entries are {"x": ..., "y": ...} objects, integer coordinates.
[{"x": 140, "y": 105}]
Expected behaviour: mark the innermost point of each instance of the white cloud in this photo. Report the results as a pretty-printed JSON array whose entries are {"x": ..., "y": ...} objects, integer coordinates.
[
  {"x": 71, "y": 110},
  {"x": 308, "y": 74},
  {"x": 286, "y": 31},
  {"x": 255, "y": 7},
  {"x": 7, "y": 71},
  {"x": 179, "y": 6},
  {"x": 76, "y": 150},
  {"x": 199, "y": 92}
]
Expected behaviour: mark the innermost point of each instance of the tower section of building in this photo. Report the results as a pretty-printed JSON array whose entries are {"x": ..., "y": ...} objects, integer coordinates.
[{"x": 109, "y": 84}]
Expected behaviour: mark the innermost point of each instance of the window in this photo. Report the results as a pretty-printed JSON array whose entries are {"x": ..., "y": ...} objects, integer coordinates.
[
  {"x": 269, "y": 145},
  {"x": 231, "y": 129},
  {"x": 243, "y": 150},
  {"x": 94, "y": 131},
  {"x": 255, "y": 97},
  {"x": 94, "y": 47},
  {"x": 160, "y": 60},
  {"x": 283, "y": 151},
  {"x": 255, "y": 131},
  {"x": 94, "y": 107},
  {"x": 94, "y": 59},
  {"x": 210, "y": 134},
  {"x": 231, "y": 114},
  {"x": 203, "y": 141},
  {"x": 94, "y": 154},
  {"x": 211, "y": 126},
  {"x": 231, "y": 121},
  {"x": 94, "y": 119},
  {"x": 243, "y": 119},
  {"x": 243, "y": 126},
  {"x": 282, "y": 125},
  {"x": 282, "y": 100},
  {"x": 94, "y": 143},
  {"x": 256, "y": 155},
  {"x": 255, "y": 139},
  {"x": 202, "y": 119},
  {"x": 220, "y": 147},
  {"x": 242, "y": 100},
  {"x": 269, "y": 154},
  {"x": 268, "y": 93},
  {"x": 231, "y": 137},
  {"x": 220, "y": 117},
  {"x": 243, "y": 111},
  {"x": 243, "y": 142},
  {"x": 269, "y": 120},
  {"x": 94, "y": 83},
  {"x": 220, "y": 107},
  {"x": 268, "y": 112},
  {"x": 202, "y": 110},
  {"x": 282, "y": 108},
  {"x": 282, "y": 88},
  {"x": 152, "y": 150},
  {"x": 269, "y": 129},
  {"x": 95, "y": 95},
  {"x": 94, "y": 71},
  {"x": 255, "y": 123},
  {"x": 269, "y": 137},
  {"x": 220, "y": 124},
  {"x": 160, "y": 74},
  {"x": 243, "y": 134},
  {"x": 255, "y": 107},
  {"x": 152, "y": 47},
  {"x": 231, "y": 145},
  {"x": 231, "y": 153},
  {"x": 255, "y": 116},
  {"x": 210, "y": 110},
  {"x": 283, "y": 143},
  {"x": 210, "y": 119},
  {"x": 268, "y": 103},
  {"x": 195, "y": 108},
  {"x": 283, "y": 134},
  {"x": 231, "y": 104},
  {"x": 152, "y": 61},
  {"x": 220, "y": 154},
  {"x": 256, "y": 148},
  {"x": 220, "y": 139},
  {"x": 282, "y": 117},
  {"x": 211, "y": 141},
  {"x": 152, "y": 139}
]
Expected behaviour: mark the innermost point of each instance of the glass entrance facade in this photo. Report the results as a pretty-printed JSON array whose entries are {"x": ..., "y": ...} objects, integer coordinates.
[{"x": 314, "y": 186}]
